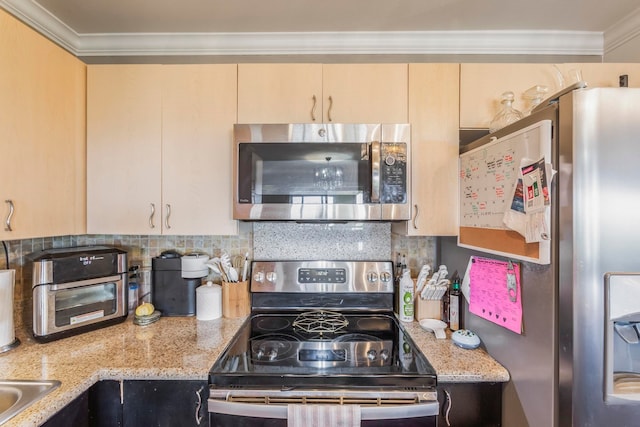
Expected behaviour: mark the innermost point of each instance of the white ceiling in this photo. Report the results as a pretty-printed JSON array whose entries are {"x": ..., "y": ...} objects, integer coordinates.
[{"x": 241, "y": 27}]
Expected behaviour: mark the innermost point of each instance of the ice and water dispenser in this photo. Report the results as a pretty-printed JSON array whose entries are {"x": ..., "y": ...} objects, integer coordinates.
[{"x": 622, "y": 338}]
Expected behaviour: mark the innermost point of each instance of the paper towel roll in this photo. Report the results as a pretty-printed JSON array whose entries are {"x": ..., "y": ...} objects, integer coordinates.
[
  {"x": 208, "y": 301},
  {"x": 7, "y": 330}
]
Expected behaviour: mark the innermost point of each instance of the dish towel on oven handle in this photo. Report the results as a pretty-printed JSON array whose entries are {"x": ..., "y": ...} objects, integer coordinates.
[{"x": 317, "y": 415}]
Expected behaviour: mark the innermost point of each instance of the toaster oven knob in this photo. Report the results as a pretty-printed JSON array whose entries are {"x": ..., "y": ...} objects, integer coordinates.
[
  {"x": 372, "y": 277},
  {"x": 385, "y": 276},
  {"x": 259, "y": 276},
  {"x": 372, "y": 354},
  {"x": 384, "y": 355},
  {"x": 271, "y": 276}
]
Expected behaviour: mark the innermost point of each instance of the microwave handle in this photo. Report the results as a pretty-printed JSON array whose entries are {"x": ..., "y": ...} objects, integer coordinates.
[{"x": 375, "y": 171}]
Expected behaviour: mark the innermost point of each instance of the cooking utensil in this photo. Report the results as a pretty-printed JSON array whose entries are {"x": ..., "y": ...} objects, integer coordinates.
[{"x": 245, "y": 267}]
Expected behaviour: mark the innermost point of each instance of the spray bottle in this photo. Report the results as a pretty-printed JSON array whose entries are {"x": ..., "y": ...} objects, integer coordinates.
[{"x": 405, "y": 296}]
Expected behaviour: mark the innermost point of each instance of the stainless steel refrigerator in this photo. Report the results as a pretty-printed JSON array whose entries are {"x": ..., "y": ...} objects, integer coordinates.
[{"x": 576, "y": 362}]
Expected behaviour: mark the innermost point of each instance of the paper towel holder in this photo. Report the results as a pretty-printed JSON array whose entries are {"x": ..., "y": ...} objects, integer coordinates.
[{"x": 7, "y": 332}]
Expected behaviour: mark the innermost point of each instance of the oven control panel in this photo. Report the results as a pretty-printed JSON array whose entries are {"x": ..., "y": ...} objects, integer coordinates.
[{"x": 322, "y": 275}]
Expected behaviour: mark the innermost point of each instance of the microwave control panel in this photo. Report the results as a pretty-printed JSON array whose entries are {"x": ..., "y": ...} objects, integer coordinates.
[{"x": 393, "y": 173}]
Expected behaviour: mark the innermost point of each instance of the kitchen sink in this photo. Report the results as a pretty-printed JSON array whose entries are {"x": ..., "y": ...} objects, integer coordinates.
[{"x": 16, "y": 395}]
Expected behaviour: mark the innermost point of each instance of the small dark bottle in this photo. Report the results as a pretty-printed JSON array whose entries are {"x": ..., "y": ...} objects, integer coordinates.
[{"x": 454, "y": 305}]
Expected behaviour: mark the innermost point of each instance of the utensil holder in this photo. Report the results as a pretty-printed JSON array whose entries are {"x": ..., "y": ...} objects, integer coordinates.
[{"x": 235, "y": 299}]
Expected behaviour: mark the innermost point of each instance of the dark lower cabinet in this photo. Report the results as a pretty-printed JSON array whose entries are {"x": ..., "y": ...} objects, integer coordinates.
[
  {"x": 153, "y": 403},
  {"x": 75, "y": 414},
  {"x": 165, "y": 403},
  {"x": 470, "y": 404},
  {"x": 105, "y": 407},
  {"x": 160, "y": 403}
]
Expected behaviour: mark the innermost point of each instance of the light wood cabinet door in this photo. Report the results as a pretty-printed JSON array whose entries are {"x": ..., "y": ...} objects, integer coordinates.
[
  {"x": 279, "y": 93},
  {"x": 308, "y": 93},
  {"x": 364, "y": 93},
  {"x": 433, "y": 114},
  {"x": 124, "y": 113},
  {"x": 481, "y": 87},
  {"x": 42, "y": 128},
  {"x": 199, "y": 110},
  {"x": 602, "y": 75}
]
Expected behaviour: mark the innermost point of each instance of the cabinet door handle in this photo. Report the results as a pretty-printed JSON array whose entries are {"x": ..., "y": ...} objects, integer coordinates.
[
  {"x": 415, "y": 217},
  {"x": 329, "y": 109},
  {"x": 313, "y": 108},
  {"x": 166, "y": 218},
  {"x": 7, "y": 224},
  {"x": 153, "y": 212},
  {"x": 448, "y": 407},
  {"x": 199, "y": 405}
]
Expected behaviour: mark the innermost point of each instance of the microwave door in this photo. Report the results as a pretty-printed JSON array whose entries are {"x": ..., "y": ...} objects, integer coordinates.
[{"x": 305, "y": 181}]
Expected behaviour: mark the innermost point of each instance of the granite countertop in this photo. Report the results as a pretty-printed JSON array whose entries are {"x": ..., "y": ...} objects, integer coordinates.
[{"x": 178, "y": 348}]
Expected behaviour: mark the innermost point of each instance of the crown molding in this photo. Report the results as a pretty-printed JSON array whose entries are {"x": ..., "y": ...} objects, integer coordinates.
[
  {"x": 300, "y": 43},
  {"x": 622, "y": 31},
  {"x": 569, "y": 43},
  {"x": 34, "y": 15}
]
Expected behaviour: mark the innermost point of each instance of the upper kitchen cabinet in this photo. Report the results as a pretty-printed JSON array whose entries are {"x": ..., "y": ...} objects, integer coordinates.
[
  {"x": 481, "y": 87},
  {"x": 602, "y": 75},
  {"x": 307, "y": 93},
  {"x": 433, "y": 114},
  {"x": 159, "y": 149},
  {"x": 279, "y": 93},
  {"x": 124, "y": 136},
  {"x": 42, "y": 128},
  {"x": 198, "y": 113},
  {"x": 365, "y": 93}
]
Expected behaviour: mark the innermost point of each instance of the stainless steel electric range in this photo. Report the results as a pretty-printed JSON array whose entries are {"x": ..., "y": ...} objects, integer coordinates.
[{"x": 322, "y": 333}]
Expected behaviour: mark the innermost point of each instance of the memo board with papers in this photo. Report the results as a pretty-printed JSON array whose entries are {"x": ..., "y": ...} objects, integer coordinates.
[{"x": 487, "y": 176}]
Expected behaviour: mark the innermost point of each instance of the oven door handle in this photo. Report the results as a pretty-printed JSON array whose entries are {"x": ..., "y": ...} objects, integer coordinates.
[
  {"x": 375, "y": 171},
  {"x": 88, "y": 282},
  {"x": 425, "y": 409}
]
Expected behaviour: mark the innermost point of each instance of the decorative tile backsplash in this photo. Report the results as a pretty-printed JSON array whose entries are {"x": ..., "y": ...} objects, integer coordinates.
[{"x": 263, "y": 240}]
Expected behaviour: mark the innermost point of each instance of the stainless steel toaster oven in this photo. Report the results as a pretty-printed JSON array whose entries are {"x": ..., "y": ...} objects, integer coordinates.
[{"x": 77, "y": 290}]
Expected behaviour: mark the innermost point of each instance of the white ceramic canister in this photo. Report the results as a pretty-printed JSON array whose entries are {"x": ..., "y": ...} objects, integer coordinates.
[{"x": 208, "y": 301}]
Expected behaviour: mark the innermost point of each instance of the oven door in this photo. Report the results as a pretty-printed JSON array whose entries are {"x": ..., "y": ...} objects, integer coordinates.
[
  {"x": 59, "y": 308},
  {"x": 252, "y": 408}
]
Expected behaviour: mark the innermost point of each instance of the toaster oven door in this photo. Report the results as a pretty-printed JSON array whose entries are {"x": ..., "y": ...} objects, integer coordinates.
[{"x": 65, "y": 307}]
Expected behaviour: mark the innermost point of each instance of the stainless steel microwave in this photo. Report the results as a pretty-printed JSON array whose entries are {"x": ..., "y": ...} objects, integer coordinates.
[{"x": 322, "y": 172}]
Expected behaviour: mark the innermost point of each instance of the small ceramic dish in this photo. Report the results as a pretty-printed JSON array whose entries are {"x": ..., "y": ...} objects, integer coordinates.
[
  {"x": 437, "y": 326},
  {"x": 147, "y": 320}
]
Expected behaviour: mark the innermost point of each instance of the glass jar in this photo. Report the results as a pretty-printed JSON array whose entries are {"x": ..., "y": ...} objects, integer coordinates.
[{"x": 506, "y": 115}]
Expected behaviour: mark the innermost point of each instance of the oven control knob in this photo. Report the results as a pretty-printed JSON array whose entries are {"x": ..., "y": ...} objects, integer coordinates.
[
  {"x": 384, "y": 355},
  {"x": 372, "y": 354},
  {"x": 259, "y": 276},
  {"x": 385, "y": 276},
  {"x": 390, "y": 160},
  {"x": 372, "y": 277},
  {"x": 259, "y": 353},
  {"x": 271, "y": 276}
]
